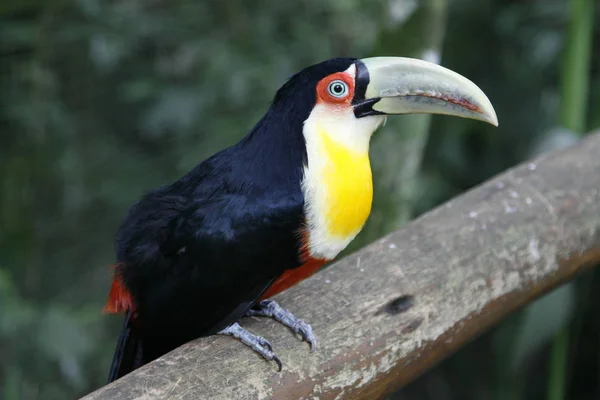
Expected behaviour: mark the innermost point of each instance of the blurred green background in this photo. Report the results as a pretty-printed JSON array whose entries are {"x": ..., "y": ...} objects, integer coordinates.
[{"x": 102, "y": 100}]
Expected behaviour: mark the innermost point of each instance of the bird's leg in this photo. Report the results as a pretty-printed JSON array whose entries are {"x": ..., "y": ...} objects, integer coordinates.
[
  {"x": 255, "y": 342},
  {"x": 269, "y": 308}
]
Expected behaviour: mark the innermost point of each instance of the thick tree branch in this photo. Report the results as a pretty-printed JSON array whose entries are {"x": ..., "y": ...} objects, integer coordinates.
[{"x": 392, "y": 310}]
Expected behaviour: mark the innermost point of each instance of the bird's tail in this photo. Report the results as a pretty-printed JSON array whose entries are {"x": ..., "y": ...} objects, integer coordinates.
[{"x": 128, "y": 354}]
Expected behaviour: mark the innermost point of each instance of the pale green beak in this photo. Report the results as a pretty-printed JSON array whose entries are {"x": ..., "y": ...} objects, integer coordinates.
[{"x": 398, "y": 85}]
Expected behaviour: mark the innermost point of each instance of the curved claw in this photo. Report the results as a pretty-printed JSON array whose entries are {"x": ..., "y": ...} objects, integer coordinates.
[
  {"x": 305, "y": 330},
  {"x": 278, "y": 361}
]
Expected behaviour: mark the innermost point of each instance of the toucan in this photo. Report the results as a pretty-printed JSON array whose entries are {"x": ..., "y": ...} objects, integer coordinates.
[{"x": 195, "y": 256}]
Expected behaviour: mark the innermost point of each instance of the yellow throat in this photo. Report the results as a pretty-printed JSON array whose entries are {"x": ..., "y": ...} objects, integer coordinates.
[{"x": 348, "y": 186}]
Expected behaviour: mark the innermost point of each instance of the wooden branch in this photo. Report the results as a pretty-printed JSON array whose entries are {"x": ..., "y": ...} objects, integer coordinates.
[{"x": 392, "y": 310}]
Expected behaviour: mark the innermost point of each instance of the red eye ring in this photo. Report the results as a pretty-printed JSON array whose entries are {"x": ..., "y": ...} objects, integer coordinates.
[{"x": 336, "y": 88}]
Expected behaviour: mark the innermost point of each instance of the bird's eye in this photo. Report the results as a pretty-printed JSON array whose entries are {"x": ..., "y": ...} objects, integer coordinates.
[{"x": 338, "y": 89}]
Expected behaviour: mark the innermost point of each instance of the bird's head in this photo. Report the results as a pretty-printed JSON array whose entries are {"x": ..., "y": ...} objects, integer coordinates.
[{"x": 349, "y": 98}]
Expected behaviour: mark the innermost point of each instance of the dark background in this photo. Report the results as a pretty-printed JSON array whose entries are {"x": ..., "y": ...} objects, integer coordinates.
[{"x": 102, "y": 100}]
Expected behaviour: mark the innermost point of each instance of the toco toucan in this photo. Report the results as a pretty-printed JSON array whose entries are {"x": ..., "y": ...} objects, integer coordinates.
[{"x": 195, "y": 256}]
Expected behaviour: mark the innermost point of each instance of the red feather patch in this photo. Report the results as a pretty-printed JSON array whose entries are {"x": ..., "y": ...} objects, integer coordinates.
[
  {"x": 293, "y": 276},
  {"x": 119, "y": 298}
]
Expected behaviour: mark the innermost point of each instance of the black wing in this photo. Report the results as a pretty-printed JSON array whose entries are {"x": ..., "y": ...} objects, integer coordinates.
[{"x": 194, "y": 268}]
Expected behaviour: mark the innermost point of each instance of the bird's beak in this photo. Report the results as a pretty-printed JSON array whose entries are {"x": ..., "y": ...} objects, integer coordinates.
[{"x": 398, "y": 85}]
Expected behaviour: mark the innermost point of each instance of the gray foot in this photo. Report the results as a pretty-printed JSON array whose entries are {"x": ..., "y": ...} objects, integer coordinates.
[
  {"x": 269, "y": 308},
  {"x": 255, "y": 342}
]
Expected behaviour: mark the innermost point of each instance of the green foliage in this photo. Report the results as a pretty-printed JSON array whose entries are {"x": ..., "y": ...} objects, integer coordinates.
[{"x": 100, "y": 101}]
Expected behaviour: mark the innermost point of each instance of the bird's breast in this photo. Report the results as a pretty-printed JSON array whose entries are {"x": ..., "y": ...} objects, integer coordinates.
[{"x": 338, "y": 189}]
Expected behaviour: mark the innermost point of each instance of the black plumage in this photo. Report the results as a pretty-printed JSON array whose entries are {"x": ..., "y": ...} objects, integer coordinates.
[{"x": 196, "y": 254}]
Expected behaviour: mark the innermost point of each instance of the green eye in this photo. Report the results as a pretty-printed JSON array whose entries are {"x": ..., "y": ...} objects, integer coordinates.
[{"x": 338, "y": 88}]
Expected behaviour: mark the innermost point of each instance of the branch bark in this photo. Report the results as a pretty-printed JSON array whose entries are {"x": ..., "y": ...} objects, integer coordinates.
[{"x": 389, "y": 312}]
